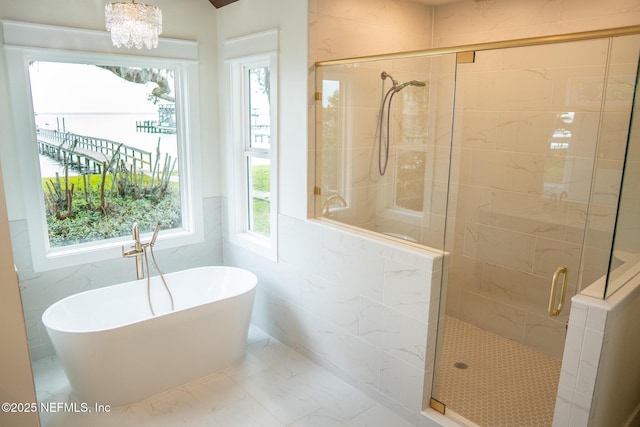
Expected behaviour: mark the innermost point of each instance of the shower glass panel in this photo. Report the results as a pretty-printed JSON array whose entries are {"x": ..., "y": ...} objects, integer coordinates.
[
  {"x": 383, "y": 146},
  {"x": 624, "y": 262},
  {"x": 536, "y": 152}
]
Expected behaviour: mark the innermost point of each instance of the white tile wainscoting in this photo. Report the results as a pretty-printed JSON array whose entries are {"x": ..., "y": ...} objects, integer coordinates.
[{"x": 359, "y": 305}]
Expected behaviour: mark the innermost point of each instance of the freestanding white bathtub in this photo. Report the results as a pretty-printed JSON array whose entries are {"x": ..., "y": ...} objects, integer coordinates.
[{"x": 115, "y": 352}]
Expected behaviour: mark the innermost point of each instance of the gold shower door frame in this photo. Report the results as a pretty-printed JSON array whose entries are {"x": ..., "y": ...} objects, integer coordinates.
[
  {"x": 527, "y": 125},
  {"x": 536, "y": 190}
]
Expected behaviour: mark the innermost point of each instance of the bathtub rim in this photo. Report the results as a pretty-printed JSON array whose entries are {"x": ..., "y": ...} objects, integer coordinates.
[{"x": 51, "y": 308}]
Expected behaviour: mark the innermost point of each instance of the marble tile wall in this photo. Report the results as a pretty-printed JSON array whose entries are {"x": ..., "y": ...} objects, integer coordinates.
[
  {"x": 355, "y": 304},
  {"x": 342, "y": 29},
  {"x": 459, "y": 23},
  {"x": 350, "y": 28},
  {"x": 514, "y": 127},
  {"x": 40, "y": 290}
]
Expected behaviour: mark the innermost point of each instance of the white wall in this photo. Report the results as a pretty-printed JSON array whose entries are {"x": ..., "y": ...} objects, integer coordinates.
[
  {"x": 189, "y": 20},
  {"x": 290, "y": 17}
]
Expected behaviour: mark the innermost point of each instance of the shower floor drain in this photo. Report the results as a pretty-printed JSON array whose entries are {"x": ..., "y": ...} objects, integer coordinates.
[{"x": 460, "y": 365}]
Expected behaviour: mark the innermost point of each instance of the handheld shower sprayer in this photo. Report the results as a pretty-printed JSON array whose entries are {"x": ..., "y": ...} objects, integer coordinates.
[
  {"x": 396, "y": 87},
  {"x": 383, "y": 159},
  {"x": 410, "y": 83}
]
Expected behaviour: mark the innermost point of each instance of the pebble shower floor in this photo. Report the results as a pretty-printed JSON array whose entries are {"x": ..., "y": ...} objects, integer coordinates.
[{"x": 504, "y": 383}]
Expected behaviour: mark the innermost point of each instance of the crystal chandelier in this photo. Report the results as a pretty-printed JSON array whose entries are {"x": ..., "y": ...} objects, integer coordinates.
[{"x": 133, "y": 24}]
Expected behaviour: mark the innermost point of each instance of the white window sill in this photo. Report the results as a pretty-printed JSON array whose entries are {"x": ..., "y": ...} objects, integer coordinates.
[{"x": 92, "y": 252}]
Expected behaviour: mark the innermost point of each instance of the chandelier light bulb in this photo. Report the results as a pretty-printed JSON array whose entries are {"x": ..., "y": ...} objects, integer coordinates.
[{"x": 133, "y": 24}]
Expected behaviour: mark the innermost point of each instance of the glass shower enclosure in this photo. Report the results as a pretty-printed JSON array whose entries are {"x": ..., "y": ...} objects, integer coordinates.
[
  {"x": 508, "y": 159},
  {"x": 383, "y": 146}
]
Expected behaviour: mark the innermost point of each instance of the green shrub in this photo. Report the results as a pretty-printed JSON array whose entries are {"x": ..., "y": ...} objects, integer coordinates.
[{"x": 87, "y": 222}]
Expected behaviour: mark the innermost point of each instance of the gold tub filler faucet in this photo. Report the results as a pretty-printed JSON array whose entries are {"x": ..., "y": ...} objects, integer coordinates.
[{"x": 139, "y": 251}]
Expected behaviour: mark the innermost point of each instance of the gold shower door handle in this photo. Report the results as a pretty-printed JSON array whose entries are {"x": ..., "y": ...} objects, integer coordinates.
[{"x": 554, "y": 309}]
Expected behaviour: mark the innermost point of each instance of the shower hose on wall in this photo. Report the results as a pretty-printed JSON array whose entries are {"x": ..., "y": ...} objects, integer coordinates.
[{"x": 386, "y": 103}]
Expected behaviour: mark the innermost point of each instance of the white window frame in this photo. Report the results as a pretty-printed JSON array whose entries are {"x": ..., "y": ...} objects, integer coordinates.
[
  {"x": 344, "y": 169},
  {"x": 25, "y": 42},
  {"x": 241, "y": 54}
]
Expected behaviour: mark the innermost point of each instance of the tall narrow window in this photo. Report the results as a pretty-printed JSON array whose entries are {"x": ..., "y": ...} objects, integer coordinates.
[
  {"x": 258, "y": 151},
  {"x": 252, "y": 142}
]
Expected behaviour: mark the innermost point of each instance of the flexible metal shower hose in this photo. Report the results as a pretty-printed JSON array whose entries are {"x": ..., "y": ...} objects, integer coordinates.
[{"x": 164, "y": 282}]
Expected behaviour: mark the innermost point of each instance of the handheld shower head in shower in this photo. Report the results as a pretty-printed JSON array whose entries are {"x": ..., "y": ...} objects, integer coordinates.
[
  {"x": 383, "y": 144},
  {"x": 410, "y": 83},
  {"x": 398, "y": 87}
]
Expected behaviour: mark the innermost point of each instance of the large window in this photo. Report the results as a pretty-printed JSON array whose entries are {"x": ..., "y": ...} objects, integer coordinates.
[
  {"x": 107, "y": 147},
  {"x": 252, "y": 165},
  {"x": 105, "y": 138}
]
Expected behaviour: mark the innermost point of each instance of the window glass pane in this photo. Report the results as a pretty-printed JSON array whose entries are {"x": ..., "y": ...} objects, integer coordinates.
[
  {"x": 259, "y": 171},
  {"x": 108, "y": 149},
  {"x": 259, "y": 108},
  {"x": 333, "y": 145},
  {"x": 410, "y": 177}
]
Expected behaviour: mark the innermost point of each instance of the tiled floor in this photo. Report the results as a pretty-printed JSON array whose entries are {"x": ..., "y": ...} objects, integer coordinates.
[
  {"x": 504, "y": 383},
  {"x": 272, "y": 386}
]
